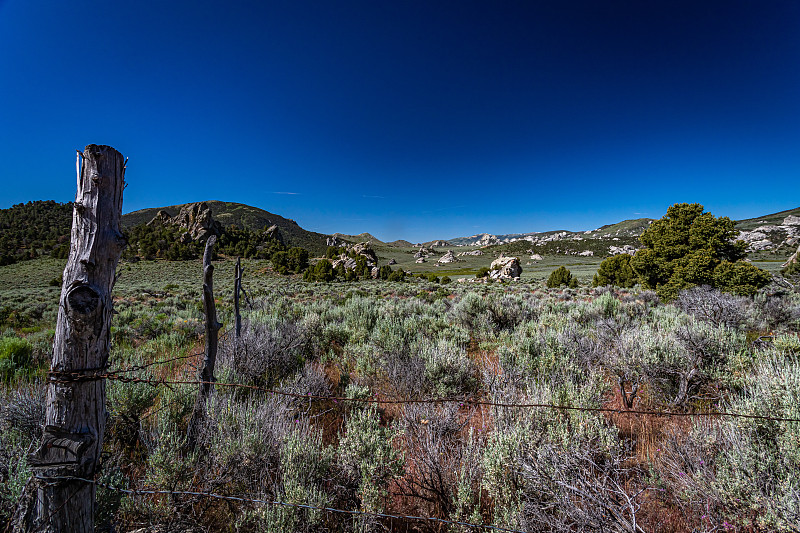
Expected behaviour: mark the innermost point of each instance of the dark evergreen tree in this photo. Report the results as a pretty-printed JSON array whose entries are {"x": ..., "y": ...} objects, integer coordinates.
[
  {"x": 689, "y": 247},
  {"x": 561, "y": 277},
  {"x": 615, "y": 270}
]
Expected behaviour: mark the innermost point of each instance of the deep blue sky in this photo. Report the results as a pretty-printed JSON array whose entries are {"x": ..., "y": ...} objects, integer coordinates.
[{"x": 413, "y": 119}]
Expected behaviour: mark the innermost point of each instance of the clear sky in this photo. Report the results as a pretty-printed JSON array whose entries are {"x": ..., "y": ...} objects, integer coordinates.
[{"x": 411, "y": 119}]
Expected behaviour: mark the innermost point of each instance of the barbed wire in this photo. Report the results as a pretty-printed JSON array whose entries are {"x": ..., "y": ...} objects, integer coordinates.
[
  {"x": 247, "y": 499},
  {"x": 387, "y": 401},
  {"x": 91, "y": 374},
  {"x": 136, "y": 368}
]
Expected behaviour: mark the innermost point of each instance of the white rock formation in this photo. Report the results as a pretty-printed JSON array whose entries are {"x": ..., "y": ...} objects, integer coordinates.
[
  {"x": 505, "y": 268},
  {"x": 625, "y": 249},
  {"x": 447, "y": 258},
  {"x": 795, "y": 258}
]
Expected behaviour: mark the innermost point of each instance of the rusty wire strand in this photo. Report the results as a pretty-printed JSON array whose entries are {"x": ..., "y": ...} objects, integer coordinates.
[
  {"x": 477, "y": 403},
  {"x": 89, "y": 374}
]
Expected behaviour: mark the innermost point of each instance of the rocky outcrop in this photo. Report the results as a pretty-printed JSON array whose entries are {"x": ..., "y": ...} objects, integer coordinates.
[
  {"x": 420, "y": 260},
  {"x": 334, "y": 241},
  {"x": 770, "y": 236},
  {"x": 487, "y": 239},
  {"x": 586, "y": 253},
  {"x": 473, "y": 252},
  {"x": 274, "y": 233},
  {"x": 392, "y": 261},
  {"x": 361, "y": 249},
  {"x": 447, "y": 258},
  {"x": 505, "y": 268},
  {"x": 424, "y": 252},
  {"x": 195, "y": 219},
  {"x": 161, "y": 219},
  {"x": 437, "y": 244},
  {"x": 625, "y": 249},
  {"x": 795, "y": 258},
  {"x": 536, "y": 257},
  {"x": 346, "y": 261},
  {"x": 365, "y": 250}
]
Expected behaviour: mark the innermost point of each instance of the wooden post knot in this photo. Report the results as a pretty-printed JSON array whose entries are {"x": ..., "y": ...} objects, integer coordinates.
[{"x": 83, "y": 299}]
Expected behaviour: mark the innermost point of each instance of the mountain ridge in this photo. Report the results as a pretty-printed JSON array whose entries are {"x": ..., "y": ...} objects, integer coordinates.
[
  {"x": 241, "y": 215},
  {"x": 770, "y": 233}
]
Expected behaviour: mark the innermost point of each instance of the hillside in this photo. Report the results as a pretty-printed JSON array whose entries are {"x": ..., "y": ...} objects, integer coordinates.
[
  {"x": 775, "y": 219},
  {"x": 626, "y": 228},
  {"x": 243, "y": 216},
  {"x": 33, "y": 229},
  {"x": 767, "y": 236},
  {"x": 361, "y": 237},
  {"x": 42, "y": 227}
]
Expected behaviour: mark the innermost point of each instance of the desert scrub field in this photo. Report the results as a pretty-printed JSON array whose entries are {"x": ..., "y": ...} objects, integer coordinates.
[{"x": 347, "y": 361}]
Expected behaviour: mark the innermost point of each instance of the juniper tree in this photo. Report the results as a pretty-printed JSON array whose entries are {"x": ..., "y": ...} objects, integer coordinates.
[{"x": 688, "y": 247}]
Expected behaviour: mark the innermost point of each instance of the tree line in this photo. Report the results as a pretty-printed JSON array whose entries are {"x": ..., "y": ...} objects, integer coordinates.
[{"x": 34, "y": 229}]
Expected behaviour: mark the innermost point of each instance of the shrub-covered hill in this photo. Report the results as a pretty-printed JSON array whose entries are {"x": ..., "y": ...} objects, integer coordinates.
[
  {"x": 767, "y": 236},
  {"x": 242, "y": 216},
  {"x": 773, "y": 219},
  {"x": 33, "y": 229},
  {"x": 361, "y": 237}
]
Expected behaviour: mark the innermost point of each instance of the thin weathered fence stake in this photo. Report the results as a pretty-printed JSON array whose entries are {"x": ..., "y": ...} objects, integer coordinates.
[
  {"x": 237, "y": 287},
  {"x": 206, "y": 375},
  {"x": 75, "y": 416}
]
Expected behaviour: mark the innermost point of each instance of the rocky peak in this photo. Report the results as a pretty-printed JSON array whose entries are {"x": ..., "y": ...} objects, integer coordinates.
[
  {"x": 196, "y": 219},
  {"x": 162, "y": 218}
]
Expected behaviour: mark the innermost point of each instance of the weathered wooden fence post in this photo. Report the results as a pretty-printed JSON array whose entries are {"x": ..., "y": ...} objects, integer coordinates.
[
  {"x": 206, "y": 374},
  {"x": 76, "y": 391}
]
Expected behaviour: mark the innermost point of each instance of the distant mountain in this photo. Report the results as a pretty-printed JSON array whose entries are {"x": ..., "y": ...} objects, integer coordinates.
[
  {"x": 775, "y": 219},
  {"x": 42, "y": 228},
  {"x": 361, "y": 237},
  {"x": 243, "y": 216},
  {"x": 626, "y": 228},
  {"x": 777, "y": 233},
  {"x": 437, "y": 244}
]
